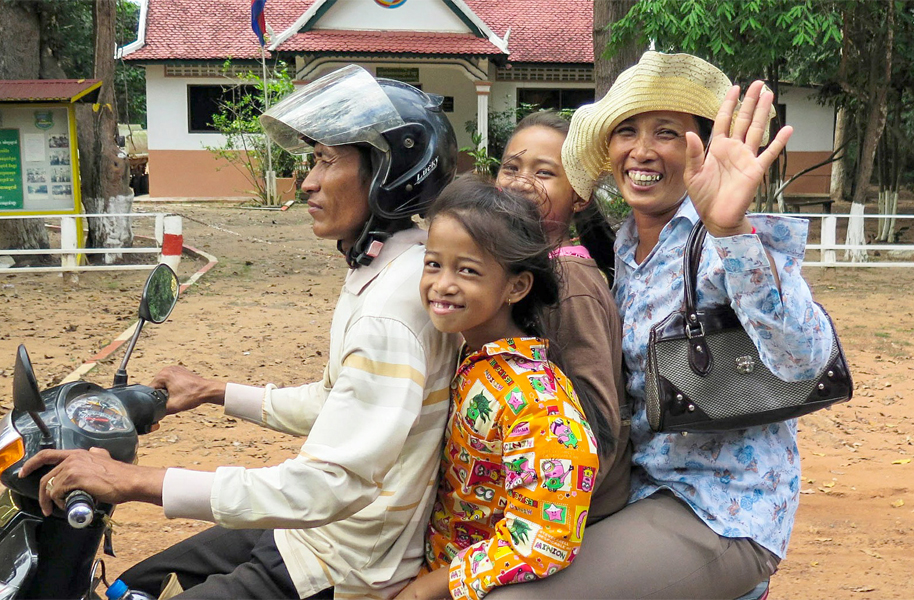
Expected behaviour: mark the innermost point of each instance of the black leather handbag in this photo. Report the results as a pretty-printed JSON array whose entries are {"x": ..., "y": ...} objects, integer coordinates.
[{"x": 704, "y": 373}]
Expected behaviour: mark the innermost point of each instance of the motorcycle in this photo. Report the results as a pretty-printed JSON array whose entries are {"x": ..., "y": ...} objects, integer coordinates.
[{"x": 54, "y": 556}]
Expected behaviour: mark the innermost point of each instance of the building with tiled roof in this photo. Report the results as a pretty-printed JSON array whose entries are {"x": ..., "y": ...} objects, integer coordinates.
[{"x": 481, "y": 55}]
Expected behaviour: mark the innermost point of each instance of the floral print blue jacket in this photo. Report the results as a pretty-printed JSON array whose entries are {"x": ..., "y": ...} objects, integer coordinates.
[{"x": 741, "y": 483}]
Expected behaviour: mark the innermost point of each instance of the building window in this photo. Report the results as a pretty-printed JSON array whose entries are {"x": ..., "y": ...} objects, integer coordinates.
[
  {"x": 555, "y": 98},
  {"x": 204, "y": 101}
]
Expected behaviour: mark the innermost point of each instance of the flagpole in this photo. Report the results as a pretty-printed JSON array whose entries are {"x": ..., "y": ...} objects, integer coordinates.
[{"x": 270, "y": 177}]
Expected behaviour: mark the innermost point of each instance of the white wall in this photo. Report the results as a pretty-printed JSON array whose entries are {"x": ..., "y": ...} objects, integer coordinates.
[
  {"x": 813, "y": 123},
  {"x": 166, "y": 111},
  {"x": 414, "y": 15},
  {"x": 167, "y": 105}
]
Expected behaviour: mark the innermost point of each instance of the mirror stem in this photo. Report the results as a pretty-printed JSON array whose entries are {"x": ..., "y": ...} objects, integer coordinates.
[
  {"x": 46, "y": 440},
  {"x": 120, "y": 377}
]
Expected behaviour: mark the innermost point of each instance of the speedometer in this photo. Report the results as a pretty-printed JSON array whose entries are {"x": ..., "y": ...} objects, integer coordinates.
[{"x": 98, "y": 413}]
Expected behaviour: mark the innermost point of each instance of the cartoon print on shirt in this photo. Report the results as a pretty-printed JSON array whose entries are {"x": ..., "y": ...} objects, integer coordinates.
[
  {"x": 520, "y": 530},
  {"x": 543, "y": 384},
  {"x": 516, "y": 401},
  {"x": 586, "y": 477},
  {"x": 555, "y": 513},
  {"x": 484, "y": 472},
  {"x": 519, "y": 574},
  {"x": 555, "y": 474},
  {"x": 479, "y": 561},
  {"x": 467, "y": 535},
  {"x": 478, "y": 408},
  {"x": 519, "y": 471},
  {"x": 564, "y": 433}
]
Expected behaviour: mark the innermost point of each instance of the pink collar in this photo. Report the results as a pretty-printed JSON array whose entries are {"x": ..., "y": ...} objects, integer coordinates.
[{"x": 579, "y": 251}]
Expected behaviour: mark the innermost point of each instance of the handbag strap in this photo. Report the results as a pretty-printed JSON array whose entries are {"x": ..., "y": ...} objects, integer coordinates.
[{"x": 691, "y": 259}]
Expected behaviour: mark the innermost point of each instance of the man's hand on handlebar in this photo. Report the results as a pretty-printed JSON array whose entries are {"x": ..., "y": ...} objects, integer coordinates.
[
  {"x": 96, "y": 473},
  {"x": 187, "y": 390}
]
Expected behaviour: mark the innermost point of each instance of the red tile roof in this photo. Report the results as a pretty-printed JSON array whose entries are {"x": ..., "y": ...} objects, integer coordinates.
[
  {"x": 546, "y": 31},
  {"x": 542, "y": 31},
  {"x": 49, "y": 90}
]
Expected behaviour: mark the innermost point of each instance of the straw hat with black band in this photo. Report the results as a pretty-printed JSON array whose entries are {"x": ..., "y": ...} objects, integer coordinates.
[{"x": 674, "y": 82}]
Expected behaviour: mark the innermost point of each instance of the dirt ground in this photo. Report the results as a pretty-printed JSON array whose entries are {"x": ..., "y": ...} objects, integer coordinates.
[{"x": 263, "y": 315}]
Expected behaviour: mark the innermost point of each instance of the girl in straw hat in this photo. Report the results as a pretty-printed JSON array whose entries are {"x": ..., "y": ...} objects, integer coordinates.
[
  {"x": 709, "y": 515},
  {"x": 586, "y": 322}
]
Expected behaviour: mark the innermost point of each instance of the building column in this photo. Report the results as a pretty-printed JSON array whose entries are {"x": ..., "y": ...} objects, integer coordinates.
[{"x": 482, "y": 111}]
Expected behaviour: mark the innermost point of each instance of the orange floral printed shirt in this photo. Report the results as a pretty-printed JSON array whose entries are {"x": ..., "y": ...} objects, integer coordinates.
[{"x": 517, "y": 471}]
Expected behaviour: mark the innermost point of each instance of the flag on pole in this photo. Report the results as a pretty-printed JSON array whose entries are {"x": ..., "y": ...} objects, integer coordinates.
[{"x": 258, "y": 22}]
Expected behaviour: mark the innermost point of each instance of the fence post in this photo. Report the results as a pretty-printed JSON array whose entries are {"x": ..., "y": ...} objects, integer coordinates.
[
  {"x": 829, "y": 237},
  {"x": 68, "y": 239},
  {"x": 159, "y": 228},
  {"x": 172, "y": 240}
]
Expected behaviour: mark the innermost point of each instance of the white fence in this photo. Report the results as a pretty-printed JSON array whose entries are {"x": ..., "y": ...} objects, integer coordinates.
[
  {"x": 165, "y": 226},
  {"x": 877, "y": 255}
]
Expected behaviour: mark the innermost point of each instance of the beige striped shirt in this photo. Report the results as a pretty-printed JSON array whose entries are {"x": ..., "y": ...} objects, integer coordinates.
[{"x": 350, "y": 509}]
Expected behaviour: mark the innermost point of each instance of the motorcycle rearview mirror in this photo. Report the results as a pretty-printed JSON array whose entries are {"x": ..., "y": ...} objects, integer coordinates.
[
  {"x": 26, "y": 396},
  {"x": 160, "y": 294}
]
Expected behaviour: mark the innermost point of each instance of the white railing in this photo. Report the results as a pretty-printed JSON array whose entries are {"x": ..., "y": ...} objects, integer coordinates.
[
  {"x": 829, "y": 247},
  {"x": 70, "y": 252}
]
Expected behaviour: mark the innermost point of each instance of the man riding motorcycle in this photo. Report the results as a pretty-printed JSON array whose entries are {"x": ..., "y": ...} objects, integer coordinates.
[{"x": 347, "y": 514}]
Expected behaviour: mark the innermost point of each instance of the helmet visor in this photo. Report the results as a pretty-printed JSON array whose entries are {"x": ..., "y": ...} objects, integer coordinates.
[{"x": 346, "y": 106}]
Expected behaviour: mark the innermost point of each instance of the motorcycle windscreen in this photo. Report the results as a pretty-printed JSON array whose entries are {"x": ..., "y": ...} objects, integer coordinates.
[{"x": 345, "y": 107}]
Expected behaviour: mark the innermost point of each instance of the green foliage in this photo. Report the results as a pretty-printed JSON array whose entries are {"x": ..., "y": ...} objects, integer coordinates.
[
  {"x": 130, "y": 80},
  {"x": 483, "y": 164},
  {"x": 67, "y": 29},
  {"x": 611, "y": 203},
  {"x": 245, "y": 145},
  {"x": 501, "y": 126},
  {"x": 747, "y": 39}
]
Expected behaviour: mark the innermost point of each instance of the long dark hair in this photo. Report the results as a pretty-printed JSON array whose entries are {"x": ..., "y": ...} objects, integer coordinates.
[
  {"x": 591, "y": 226},
  {"x": 598, "y": 237},
  {"x": 508, "y": 227}
]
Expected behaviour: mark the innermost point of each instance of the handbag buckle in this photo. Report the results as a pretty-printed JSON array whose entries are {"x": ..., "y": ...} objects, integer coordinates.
[{"x": 695, "y": 331}]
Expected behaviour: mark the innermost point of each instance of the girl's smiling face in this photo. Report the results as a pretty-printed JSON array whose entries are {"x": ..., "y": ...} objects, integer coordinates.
[
  {"x": 533, "y": 168},
  {"x": 647, "y": 153},
  {"x": 464, "y": 289}
]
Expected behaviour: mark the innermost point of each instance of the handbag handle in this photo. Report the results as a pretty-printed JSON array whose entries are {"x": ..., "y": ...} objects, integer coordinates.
[
  {"x": 691, "y": 259},
  {"x": 699, "y": 356}
]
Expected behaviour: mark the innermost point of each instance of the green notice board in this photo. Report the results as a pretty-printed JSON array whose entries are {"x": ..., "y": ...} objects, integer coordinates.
[{"x": 10, "y": 170}]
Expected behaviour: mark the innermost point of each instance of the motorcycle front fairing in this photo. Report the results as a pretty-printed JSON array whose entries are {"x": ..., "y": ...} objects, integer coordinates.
[
  {"x": 79, "y": 415},
  {"x": 18, "y": 547}
]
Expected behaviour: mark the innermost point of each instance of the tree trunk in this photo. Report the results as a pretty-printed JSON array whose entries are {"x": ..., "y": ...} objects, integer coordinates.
[
  {"x": 19, "y": 59},
  {"x": 838, "y": 185},
  {"x": 104, "y": 168},
  {"x": 881, "y": 76},
  {"x": 606, "y": 69}
]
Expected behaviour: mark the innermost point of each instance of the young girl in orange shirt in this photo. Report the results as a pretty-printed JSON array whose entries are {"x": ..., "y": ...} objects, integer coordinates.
[{"x": 519, "y": 457}]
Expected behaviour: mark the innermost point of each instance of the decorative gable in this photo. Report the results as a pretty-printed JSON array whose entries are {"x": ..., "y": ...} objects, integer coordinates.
[{"x": 391, "y": 17}]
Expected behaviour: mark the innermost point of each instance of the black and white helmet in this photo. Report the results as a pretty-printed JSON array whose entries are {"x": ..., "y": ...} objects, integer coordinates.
[{"x": 413, "y": 146}]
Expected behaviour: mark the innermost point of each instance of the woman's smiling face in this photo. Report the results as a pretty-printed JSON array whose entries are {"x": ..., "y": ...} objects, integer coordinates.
[{"x": 647, "y": 153}]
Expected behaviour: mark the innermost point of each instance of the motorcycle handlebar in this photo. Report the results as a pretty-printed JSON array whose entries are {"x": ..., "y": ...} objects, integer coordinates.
[
  {"x": 80, "y": 508},
  {"x": 145, "y": 405}
]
